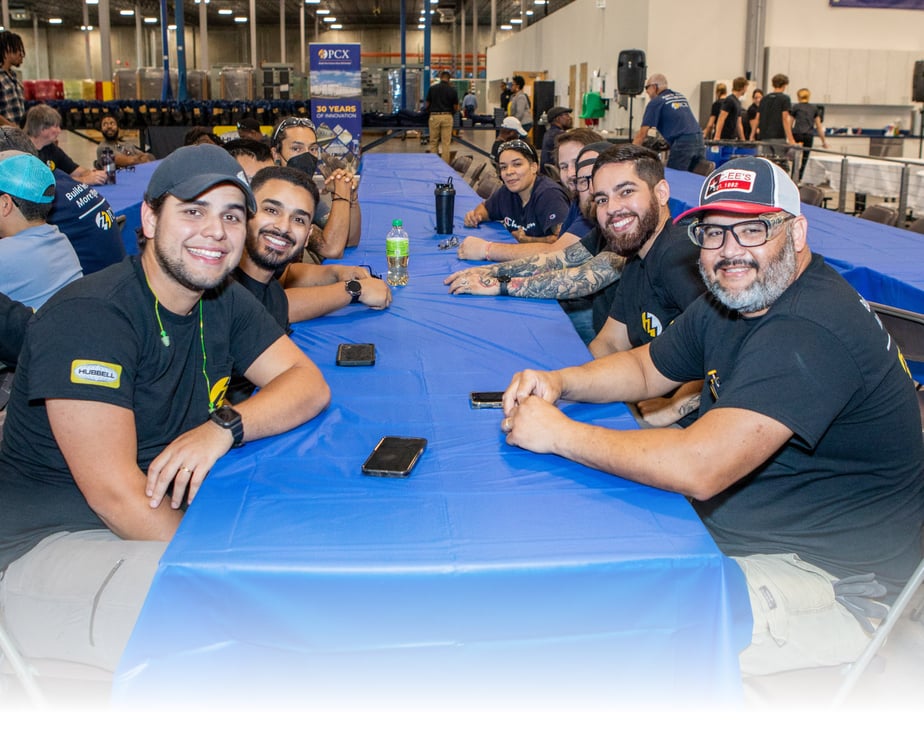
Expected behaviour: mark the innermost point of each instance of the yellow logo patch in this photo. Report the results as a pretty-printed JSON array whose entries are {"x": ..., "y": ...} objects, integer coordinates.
[{"x": 92, "y": 372}]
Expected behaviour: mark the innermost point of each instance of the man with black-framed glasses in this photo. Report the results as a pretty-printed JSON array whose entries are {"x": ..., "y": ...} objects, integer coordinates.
[
  {"x": 338, "y": 216},
  {"x": 806, "y": 462}
]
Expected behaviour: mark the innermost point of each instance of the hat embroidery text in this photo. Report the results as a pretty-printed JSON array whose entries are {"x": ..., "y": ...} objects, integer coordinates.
[{"x": 740, "y": 180}]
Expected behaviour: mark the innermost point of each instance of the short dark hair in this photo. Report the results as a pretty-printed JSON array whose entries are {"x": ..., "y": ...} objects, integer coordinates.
[
  {"x": 519, "y": 81},
  {"x": 582, "y": 136},
  {"x": 259, "y": 150},
  {"x": 292, "y": 175},
  {"x": 648, "y": 165},
  {"x": 197, "y": 132},
  {"x": 780, "y": 80},
  {"x": 32, "y": 212}
]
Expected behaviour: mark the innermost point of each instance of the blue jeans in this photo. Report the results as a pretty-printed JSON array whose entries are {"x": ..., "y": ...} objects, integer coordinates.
[{"x": 686, "y": 151}]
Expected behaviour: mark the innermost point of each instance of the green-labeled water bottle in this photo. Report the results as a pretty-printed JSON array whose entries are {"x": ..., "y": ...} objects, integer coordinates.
[{"x": 396, "y": 249}]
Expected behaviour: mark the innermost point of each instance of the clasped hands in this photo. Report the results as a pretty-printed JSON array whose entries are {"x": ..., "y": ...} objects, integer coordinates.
[{"x": 532, "y": 420}]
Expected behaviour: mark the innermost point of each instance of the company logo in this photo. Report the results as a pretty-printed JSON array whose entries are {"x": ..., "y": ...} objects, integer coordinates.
[
  {"x": 219, "y": 389},
  {"x": 651, "y": 324},
  {"x": 91, "y": 372},
  {"x": 731, "y": 180},
  {"x": 104, "y": 220},
  {"x": 340, "y": 54}
]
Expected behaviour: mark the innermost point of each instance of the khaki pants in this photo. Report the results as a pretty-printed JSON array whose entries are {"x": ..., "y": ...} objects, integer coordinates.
[
  {"x": 76, "y": 596},
  {"x": 797, "y": 622},
  {"x": 441, "y": 134}
]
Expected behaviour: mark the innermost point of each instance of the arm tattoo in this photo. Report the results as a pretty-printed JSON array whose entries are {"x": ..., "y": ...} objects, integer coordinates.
[{"x": 586, "y": 279}]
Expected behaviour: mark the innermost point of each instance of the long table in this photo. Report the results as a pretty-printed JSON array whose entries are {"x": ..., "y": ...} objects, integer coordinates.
[
  {"x": 492, "y": 577},
  {"x": 871, "y": 176}
]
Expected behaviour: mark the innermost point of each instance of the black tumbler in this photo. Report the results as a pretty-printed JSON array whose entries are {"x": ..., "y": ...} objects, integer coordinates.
[{"x": 445, "y": 206}]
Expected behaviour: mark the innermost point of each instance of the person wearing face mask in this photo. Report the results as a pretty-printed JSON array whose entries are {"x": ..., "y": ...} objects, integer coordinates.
[
  {"x": 338, "y": 220},
  {"x": 531, "y": 206}
]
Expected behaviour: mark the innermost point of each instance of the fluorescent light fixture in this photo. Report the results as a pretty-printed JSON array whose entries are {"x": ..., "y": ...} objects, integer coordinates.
[
  {"x": 337, "y": 26},
  {"x": 506, "y": 27},
  {"x": 92, "y": 2},
  {"x": 329, "y": 19},
  {"x": 422, "y": 26},
  {"x": 322, "y": 11},
  {"x": 225, "y": 11},
  {"x": 86, "y": 28},
  {"x": 55, "y": 21},
  {"x": 240, "y": 19},
  {"x": 516, "y": 20},
  {"x": 312, "y": 2},
  {"x": 171, "y": 27},
  {"x": 539, "y": 2},
  {"x": 150, "y": 19},
  {"x": 126, "y": 12},
  {"x": 529, "y": 12}
]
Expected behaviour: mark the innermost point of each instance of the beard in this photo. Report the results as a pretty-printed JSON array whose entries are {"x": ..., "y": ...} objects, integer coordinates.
[
  {"x": 175, "y": 268},
  {"x": 111, "y": 136},
  {"x": 771, "y": 281},
  {"x": 630, "y": 243},
  {"x": 267, "y": 259}
]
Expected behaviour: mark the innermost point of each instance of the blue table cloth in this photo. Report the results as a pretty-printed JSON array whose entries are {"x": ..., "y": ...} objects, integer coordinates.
[
  {"x": 492, "y": 577},
  {"x": 125, "y": 198}
]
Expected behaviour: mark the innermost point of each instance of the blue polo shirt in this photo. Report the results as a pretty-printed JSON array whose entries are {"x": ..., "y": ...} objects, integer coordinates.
[{"x": 670, "y": 113}]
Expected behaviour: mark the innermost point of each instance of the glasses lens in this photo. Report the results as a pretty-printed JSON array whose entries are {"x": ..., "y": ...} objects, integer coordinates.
[
  {"x": 747, "y": 233},
  {"x": 582, "y": 184}
]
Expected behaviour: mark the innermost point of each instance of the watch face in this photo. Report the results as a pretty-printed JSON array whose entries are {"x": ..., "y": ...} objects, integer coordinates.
[
  {"x": 226, "y": 414},
  {"x": 353, "y": 287}
]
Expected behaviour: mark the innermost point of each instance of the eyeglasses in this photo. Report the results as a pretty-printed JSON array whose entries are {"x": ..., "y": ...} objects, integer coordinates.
[
  {"x": 582, "y": 183},
  {"x": 451, "y": 243},
  {"x": 749, "y": 234},
  {"x": 292, "y": 123},
  {"x": 518, "y": 145}
]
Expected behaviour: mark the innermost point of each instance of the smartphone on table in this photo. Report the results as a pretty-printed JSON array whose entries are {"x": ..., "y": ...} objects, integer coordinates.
[
  {"x": 394, "y": 456},
  {"x": 487, "y": 400},
  {"x": 355, "y": 355}
]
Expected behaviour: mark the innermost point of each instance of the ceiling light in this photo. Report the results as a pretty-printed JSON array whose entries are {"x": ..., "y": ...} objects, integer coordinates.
[
  {"x": 312, "y": 2},
  {"x": 150, "y": 19},
  {"x": 538, "y": 2},
  {"x": 506, "y": 27},
  {"x": 322, "y": 11},
  {"x": 92, "y": 2},
  {"x": 421, "y": 26},
  {"x": 529, "y": 12},
  {"x": 329, "y": 19},
  {"x": 337, "y": 26},
  {"x": 516, "y": 20},
  {"x": 171, "y": 27},
  {"x": 225, "y": 11},
  {"x": 126, "y": 12},
  {"x": 86, "y": 28},
  {"x": 240, "y": 19},
  {"x": 55, "y": 21}
]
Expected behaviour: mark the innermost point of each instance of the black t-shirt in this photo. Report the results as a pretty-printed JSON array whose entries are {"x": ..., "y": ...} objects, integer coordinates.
[
  {"x": 545, "y": 210},
  {"x": 55, "y": 157},
  {"x": 272, "y": 296},
  {"x": 772, "y": 107},
  {"x": 653, "y": 291},
  {"x": 84, "y": 216},
  {"x": 442, "y": 98},
  {"x": 747, "y": 120},
  {"x": 98, "y": 339},
  {"x": 804, "y": 118},
  {"x": 732, "y": 106},
  {"x": 846, "y": 493}
]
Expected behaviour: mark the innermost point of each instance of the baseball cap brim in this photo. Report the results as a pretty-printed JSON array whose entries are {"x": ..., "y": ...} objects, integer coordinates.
[{"x": 729, "y": 206}]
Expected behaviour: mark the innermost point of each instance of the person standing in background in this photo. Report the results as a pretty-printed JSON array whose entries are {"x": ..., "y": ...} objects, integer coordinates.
[
  {"x": 12, "y": 97},
  {"x": 773, "y": 123},
  {"x": 669, "y": 112},
  {"x": 748, "y": 117},
  {"x": 520, "y": 106},
  {"x": 720, "y": 92},
  {"x": 505, "y": 96},
  {"x": 729, "y": 124},
  {"x": 441, "y": 103},
  {"x": 806, "y": 120}
]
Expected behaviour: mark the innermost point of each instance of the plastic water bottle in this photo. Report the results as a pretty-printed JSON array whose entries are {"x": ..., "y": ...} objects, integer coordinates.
[
  {"x": 396, "y": 249},
  {"x": 107, "y": 163}
]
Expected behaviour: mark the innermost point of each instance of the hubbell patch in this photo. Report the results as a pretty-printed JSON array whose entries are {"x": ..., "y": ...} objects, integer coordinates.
[{"x": 92, "y": 372}]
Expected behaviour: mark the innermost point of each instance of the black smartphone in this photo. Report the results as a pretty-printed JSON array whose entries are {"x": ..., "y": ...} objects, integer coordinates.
[
  {"x": 394, "y": 456},
  {"x": 355, "y": 355},
  {"x": 487, "y": 400}
]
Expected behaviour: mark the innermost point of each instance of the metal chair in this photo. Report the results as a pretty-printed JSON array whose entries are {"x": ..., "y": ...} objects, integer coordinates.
[
  {"x": 462, "y": 163},
  {"x": 811, "y": 194},
  {"x": 704, "y": 167},
  {"x": 488, "y": 186},
  {"x": 880, "y": 214},
  {"x": 475, "y": 172}
]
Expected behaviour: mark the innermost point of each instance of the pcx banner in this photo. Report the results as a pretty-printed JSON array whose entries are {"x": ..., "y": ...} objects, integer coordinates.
[{"x": 336, "y": 96}]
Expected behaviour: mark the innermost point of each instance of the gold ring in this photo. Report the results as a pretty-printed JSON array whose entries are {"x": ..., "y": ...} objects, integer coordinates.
[{"x": 186, "y": 470}]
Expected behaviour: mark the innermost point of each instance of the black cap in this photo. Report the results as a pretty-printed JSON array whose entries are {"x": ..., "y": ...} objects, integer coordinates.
[{"x": 191, "y": 170}]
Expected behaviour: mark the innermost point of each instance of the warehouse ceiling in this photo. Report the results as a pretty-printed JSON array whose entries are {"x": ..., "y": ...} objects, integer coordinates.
[{"x": 353, "y": 15}]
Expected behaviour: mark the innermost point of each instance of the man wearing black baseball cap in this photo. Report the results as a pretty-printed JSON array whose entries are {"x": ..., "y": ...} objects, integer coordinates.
[
  {"x": 560, "y": 120},
  {"x": 118, "y": 412},
  {"x": 806, "y": 462}
]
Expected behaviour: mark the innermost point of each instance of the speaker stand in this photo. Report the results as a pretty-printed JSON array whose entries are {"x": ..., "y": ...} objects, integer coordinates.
[
  {"x": 631, "y": 99},
  {"x": 920, "y": 131}
]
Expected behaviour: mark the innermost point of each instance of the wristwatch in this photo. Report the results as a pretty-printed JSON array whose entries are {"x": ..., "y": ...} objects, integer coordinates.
[
  {"x": 355, "y": 289},
  {"x": 228, "y": 418},
  {"x": 503, "y": 280}
]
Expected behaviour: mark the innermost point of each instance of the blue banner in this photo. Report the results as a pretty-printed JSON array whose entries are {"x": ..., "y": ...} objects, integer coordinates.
[
  {"x": 899, "y": 4},
  {"x": 336, "y": 96}
]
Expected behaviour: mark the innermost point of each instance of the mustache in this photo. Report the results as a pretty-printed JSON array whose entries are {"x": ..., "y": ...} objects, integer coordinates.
[
  {"x": 723, "y": 263},
  {"x": 619, "y": 216}
]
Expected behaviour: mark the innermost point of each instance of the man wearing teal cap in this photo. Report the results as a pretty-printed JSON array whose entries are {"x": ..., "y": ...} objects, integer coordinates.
[{"x": 37, "y": 259}]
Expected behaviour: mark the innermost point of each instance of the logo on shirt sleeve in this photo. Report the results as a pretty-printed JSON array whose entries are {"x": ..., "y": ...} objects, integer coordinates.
[{"x": 92, "y": 372}]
